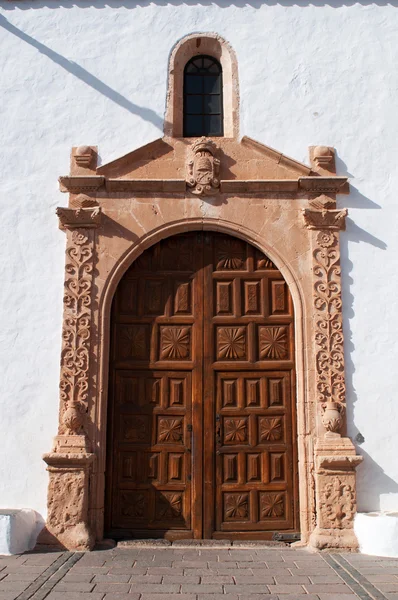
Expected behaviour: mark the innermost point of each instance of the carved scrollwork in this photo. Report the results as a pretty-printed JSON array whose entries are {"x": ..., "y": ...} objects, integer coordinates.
[
  {"x": 203, "y": 169},
  {"x": 328, "y": 319},
  {"x": 76, "y": 330}
]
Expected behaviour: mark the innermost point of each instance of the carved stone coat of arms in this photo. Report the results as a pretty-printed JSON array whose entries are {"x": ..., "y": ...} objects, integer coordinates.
[{"x": 203, "y": 169}]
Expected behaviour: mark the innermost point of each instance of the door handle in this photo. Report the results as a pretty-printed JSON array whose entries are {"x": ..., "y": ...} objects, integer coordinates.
[
  {"x": 189, "y": 429},
  {"x": 218, "y": 431}
]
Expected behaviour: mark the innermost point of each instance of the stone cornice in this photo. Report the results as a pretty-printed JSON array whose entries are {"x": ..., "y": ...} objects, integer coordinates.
[
  {"x": 239, "y": 186},
  {"x": 339, "y": 462},
  {"x": 146, "y": 185},
  {"x": 78, "y": 184},
  {"x": 325, "y": 185},
  {"x": 56, "y": 459}
]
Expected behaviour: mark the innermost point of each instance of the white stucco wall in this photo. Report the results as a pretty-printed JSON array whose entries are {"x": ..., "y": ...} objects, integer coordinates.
[{"x": 95, "y": 73}]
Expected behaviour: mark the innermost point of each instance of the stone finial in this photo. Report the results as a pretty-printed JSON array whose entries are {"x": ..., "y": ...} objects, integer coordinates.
[
  {"x": 83, "y": 160},
  {"x": 203, "y": 168},
  {"x": 323, "y": 159},
  {"x": 323, "y": 155},
  {"x": 84, "y": 156}
]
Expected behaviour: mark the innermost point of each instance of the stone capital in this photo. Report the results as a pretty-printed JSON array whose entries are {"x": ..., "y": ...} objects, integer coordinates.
[
  {"x": 73, "y": 218},
  {"x": 333, "y": 220}
]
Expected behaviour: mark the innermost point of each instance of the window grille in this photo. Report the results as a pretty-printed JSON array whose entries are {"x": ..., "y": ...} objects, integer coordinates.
[{"x": 203, "y": 114}]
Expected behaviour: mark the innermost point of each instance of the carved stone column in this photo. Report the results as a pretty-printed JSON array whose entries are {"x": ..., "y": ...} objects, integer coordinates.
[
  {"x": 69, "y": 462},
  {"x": 335, "y": 458}
]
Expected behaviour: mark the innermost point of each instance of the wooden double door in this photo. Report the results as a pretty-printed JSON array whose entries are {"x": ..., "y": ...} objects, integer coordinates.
[{"x": 202, "y": 427}]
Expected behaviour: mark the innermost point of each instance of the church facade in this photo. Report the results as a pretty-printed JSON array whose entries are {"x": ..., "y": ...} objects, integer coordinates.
[{"x": 199, "y": 329}]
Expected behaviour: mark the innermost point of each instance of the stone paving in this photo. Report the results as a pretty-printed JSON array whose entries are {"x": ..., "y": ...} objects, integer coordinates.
[{"x": 197, "y": 573}]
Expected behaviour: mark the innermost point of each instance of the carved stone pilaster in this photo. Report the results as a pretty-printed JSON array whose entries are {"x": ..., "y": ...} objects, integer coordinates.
[
  {"x": 335, "y": 456},
  {"x": 70, "y": 461}
]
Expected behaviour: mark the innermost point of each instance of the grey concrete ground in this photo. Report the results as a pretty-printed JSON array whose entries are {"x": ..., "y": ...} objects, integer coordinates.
[{"x": 197, "y": 573}]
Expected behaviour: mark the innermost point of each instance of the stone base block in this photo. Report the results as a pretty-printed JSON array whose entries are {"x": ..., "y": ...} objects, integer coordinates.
[
  {"x": 341, "y": 539},
  {"x": 377, "y": 533},
  {"x": 67, "y": 519},
  {"x": 19, "y": 529}
]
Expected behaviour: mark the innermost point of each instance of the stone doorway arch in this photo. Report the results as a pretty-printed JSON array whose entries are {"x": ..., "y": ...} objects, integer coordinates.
[{"x": 284, "y": 208}]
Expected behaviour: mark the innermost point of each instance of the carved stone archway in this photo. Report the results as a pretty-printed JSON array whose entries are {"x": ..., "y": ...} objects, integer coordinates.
[{"x": 286, "y": 209}]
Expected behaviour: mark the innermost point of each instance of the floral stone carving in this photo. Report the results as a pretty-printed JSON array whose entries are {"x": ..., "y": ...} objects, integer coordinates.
[
  {"x": 203, "y": 169},
  {"x": 75, "y": 356},
  {"x": 328, "y": 319},
  {"x": 335, "y": 464},
  {"x": 338, "y": 506}
]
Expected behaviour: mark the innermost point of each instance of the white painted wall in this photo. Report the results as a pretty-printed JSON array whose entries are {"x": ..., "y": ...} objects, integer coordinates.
[{"x": 88, "y": 72}]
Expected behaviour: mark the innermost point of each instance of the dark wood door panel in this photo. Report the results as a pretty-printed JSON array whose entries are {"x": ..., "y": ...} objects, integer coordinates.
[
  {"x": 253, "y": 451},
  {"x": 152, "y": 442},
  {"x": 155, "y": 387},
  {"x": 249, "y": 354},
  {"x": 202, "y": 431}
]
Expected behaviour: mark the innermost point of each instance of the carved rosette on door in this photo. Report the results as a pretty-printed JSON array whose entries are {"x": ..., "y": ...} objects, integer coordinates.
[{"x": 202, "y": 342}]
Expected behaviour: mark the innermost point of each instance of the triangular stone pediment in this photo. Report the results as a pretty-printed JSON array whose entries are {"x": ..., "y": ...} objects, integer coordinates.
[
  {"x": 166, "y": 158},
  {"x": 204, "y": 167}
]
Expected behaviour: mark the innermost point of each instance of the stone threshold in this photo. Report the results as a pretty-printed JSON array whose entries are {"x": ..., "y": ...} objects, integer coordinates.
[{"x": 216, "y": 544}]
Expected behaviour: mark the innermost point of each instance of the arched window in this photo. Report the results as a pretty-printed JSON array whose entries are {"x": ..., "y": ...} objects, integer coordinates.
[{"x": 203, "y": 104}]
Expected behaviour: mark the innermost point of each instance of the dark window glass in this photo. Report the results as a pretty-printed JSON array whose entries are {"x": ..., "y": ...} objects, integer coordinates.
[{"x": 203, "y": 111}]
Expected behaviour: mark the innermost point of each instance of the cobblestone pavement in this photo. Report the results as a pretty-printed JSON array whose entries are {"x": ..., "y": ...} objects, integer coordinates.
[{"x": 197, "y": 573}]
